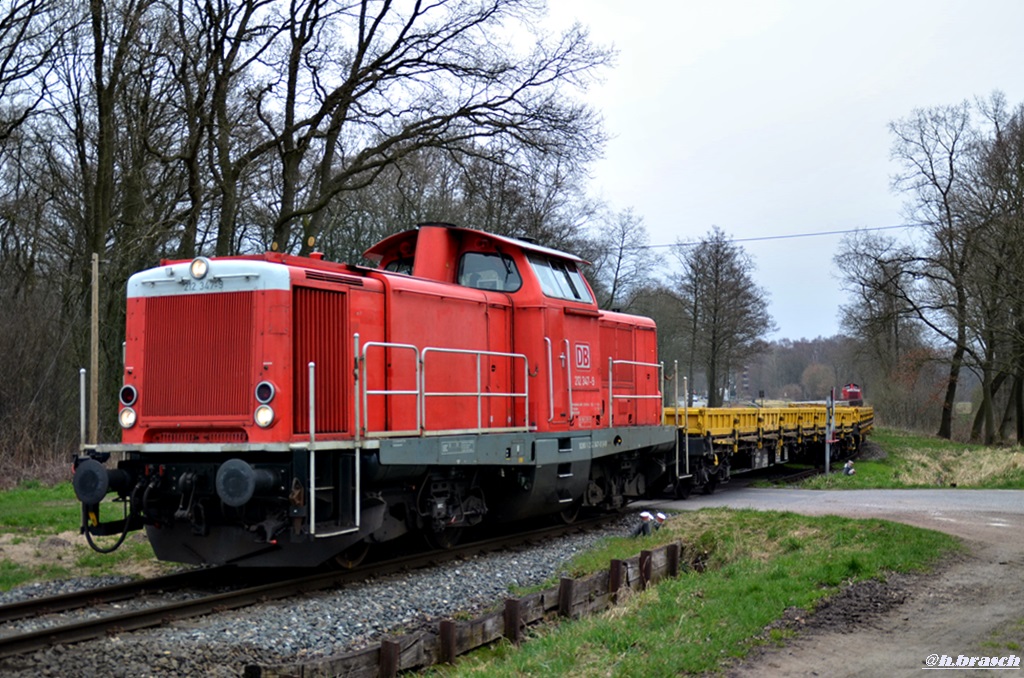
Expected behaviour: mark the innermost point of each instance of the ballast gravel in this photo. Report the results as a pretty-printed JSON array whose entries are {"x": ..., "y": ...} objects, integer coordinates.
[{"x": 314, "y": 625}]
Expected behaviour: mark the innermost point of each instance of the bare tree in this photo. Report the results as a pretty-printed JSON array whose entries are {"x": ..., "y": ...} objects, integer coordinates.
[
  {"x": 728, "y": 313},
  {"x": 114, "y": 28},
  {"x": 527, "y": 196},
  {"x": 957, "y": 290},
  {"x": 883, "y": 279},
  {"x": 363, "y": 86},
  {"x": 965, "y": 186},
  {"x": 30, "y": 30},
  {"x": 880, "y": 275},
  {"x": 219, "y": 47},
  {"x": 626, "y": 264},
  {"x": 139, "y": 129},
  {"x": 996, "y": 282},
  {"x": 931, "y": 146}
]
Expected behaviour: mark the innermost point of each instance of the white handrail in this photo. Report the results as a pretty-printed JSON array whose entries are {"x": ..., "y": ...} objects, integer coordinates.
[
  {"x": 312, "y": 462},
  {"x": 312, "y": 448},
  {"x": 421, "y": 393},
  {"x": 479, "y": 394},
  {"x": 355, "y": 377},
  {"x": 686, "y": 420},
  {"x": 551, "y": 383},
  {"x": 366, "y": 392},
  {"x": 568, "y": 373}
]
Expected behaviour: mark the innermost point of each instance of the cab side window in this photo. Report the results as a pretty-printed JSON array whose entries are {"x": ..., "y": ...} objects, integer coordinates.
[
  {"x": 489, "y": 271},
  {"x": 560, "y": 279}
]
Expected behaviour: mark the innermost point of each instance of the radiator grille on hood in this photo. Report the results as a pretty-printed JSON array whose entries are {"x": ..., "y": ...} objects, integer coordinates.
[{"x": 198, "y": 350}]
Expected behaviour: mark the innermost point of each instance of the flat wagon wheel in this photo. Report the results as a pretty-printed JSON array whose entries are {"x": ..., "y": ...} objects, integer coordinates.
[
  {"x": 683, "y": 488},
  {"x": 710, "y": 485}
]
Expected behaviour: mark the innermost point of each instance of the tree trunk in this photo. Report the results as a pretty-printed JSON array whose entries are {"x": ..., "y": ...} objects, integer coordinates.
[
  {"x": 1018, "y": 399},
  {"x": 1009, "y": 410},
  {"x": 946, "y": 421}
]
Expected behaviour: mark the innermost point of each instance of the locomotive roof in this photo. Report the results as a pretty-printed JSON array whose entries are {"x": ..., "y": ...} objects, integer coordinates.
[{"x": 389, "y": 244}]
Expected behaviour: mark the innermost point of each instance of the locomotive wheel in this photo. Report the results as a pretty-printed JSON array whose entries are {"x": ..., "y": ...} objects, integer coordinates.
[
  {"x": 353, "y": 556},
  {"x": 569, "y": 514},
  {"x": 445, "y": 539}
]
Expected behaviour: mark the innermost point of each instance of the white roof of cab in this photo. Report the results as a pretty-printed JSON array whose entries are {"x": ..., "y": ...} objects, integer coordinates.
[{"x": 375, "y": 253}]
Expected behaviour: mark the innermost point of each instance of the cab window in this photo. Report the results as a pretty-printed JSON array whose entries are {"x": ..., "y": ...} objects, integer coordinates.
[
  {"x": 489, "y": 271},
  {"x": 560, "y": 279},
  {"x": 403, "y": 265}
]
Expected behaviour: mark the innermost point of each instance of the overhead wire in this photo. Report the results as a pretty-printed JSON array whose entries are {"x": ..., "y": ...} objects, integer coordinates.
[{"x": 785, "y": 236}]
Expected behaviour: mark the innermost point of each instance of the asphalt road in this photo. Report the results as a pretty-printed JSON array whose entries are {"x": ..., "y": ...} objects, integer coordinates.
[{"x": 958, "y": 508}]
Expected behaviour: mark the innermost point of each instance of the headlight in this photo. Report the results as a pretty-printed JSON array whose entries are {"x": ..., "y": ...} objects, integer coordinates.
[
  {"x": 128, "y": 395},
  {"x": 264, "y": 392},
  {"x": 199, "y": 267},
  {"x": 127, "y": 417},
  {"x": 264, "y": 416}
]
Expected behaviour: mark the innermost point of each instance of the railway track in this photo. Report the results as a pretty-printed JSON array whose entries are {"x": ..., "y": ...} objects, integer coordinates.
[
  {"x": 132, "y": 620},
  {"x": 35, "y": 607},
  {"x": 793, "y": 478}
]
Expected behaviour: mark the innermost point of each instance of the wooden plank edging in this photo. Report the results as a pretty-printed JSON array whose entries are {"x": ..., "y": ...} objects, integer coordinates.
[{"x": 572, "y": 599}]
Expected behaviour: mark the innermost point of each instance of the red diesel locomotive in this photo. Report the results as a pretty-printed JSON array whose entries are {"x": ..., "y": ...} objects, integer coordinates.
[{"x": 282, "y": 410}]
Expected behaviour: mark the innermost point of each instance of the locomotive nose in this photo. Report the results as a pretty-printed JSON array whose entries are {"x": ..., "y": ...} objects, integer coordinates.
[{"x": 237, "y": 482}]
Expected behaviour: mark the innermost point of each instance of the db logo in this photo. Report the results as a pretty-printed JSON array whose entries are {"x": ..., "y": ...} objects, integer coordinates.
[{"x": 583, "y": 356}]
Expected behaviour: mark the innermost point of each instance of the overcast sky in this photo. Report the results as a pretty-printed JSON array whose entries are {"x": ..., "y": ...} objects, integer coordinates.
[{"x": 769, "y": 118}]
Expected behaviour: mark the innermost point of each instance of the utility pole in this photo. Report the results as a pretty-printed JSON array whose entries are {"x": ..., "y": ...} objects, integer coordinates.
[
  {"x": 94, "y": 353},
  {"x": 830, "y": 424}
]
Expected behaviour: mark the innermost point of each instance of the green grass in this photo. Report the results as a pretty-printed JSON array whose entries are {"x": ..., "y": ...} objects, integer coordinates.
[
  {"x": 759, "y": 565},
  {"x": 32, "y": 515},
  {"x": 1008, "y": 639},
  {"x": 870, "y": 475},
  {"x": 34, "y": 508},
  {"x": 12, "y": 574}
]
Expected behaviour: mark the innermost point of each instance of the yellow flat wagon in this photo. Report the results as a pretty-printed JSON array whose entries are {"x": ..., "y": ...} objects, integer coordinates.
[{"x": 716, "y": 442}]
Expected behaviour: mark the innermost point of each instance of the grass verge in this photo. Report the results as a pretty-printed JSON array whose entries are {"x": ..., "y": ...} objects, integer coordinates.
[
  {"x": 916, "y": 461},
  {"x": 35, "y": 509},
  {"x": 39, "y": 540},
  {"x": 759, "y": 564}
]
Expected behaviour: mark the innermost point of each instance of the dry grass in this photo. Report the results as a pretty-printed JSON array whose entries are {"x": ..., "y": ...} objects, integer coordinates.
[
  {"x": 915, "y": 460},
  {"x": 45, "y": 469},
  {"x": 962, "y": 467},
  {"x": 33, "y": 449}
]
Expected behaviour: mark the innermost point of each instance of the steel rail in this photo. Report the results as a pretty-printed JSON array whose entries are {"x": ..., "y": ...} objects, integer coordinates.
[
  {"x": 33, "y": 607},
  {"x": 797, "y": 477}
]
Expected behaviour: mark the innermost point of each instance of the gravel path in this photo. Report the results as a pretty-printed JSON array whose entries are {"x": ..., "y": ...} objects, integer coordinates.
[{"x": 314, "y": 625}]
